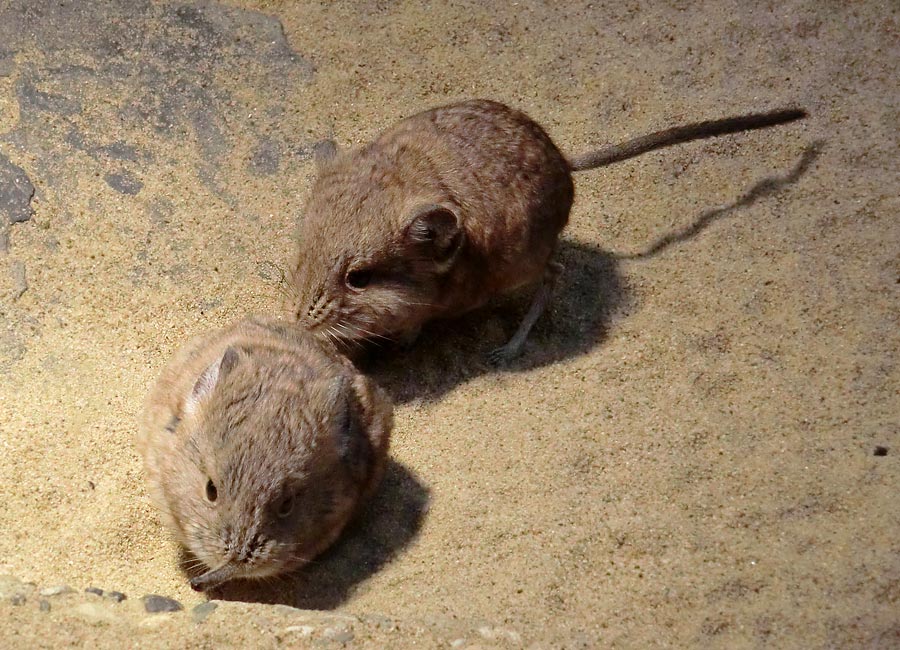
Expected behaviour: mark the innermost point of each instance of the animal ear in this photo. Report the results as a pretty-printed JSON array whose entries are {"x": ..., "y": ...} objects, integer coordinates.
[
  {"x": 324, "y": 151},
  {"x": 436, "y": 229},
  {"x": 361, "y": 438},
  {"x": 376, "y": 416},
  {"x": 209, "y": 377},
  {"x": 352, "y": 446}
]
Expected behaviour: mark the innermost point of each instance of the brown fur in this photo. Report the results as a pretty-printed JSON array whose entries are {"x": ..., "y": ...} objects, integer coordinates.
[
  {"x": 276, "y": 422},
  {"x": 447, "y": 209}
]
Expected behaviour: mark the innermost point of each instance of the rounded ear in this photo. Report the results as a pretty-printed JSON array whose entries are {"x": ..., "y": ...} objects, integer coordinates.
[
  {"x": 435, "y": 229},
  {"x": 378, "y": 412},
  {"x": 364, "y": 421},
  {"x": 209, "y": 377}
]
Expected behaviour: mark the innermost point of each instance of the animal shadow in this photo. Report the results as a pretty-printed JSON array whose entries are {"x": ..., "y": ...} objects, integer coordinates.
[
  {"x": 592, "y": 295},
  {"x": 766, "y": 187},
  {"x": 386, "y": 525}
]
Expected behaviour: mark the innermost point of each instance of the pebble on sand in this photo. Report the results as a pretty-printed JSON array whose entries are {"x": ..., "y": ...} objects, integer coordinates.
[
  {"x": 58, "y": 590},
  {"x": 155, "y": 604},
  {"x": 202, "y": 611},
  {"x": 117, "y": 596}
]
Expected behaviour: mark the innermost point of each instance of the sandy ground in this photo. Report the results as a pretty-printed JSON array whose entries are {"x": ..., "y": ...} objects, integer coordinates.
[{"x": 685, "y": 455}]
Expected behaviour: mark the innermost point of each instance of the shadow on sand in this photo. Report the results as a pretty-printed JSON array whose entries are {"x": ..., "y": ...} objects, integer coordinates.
[{"x": 766, "y": 187}]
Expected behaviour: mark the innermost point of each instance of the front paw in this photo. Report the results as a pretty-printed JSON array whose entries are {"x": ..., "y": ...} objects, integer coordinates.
[{"x": 504, "y": 354}]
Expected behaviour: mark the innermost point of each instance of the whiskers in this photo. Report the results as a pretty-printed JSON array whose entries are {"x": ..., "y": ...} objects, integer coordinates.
[
  {"x": 334, "y": 338},
  {"x": 283, "y": 285},
  {"x": 346, "y": 335},
  {"x": 357, "y": 331},
  {"x": 413, "y": 303},
  {"x": 193, "y": 565}
]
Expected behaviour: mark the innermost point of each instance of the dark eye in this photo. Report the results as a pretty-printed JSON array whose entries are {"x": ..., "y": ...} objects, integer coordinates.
[
  {"x": 359, "y": 278},
  {"x": 285, "y": 507},
  {"x": 211, "y": 492}
]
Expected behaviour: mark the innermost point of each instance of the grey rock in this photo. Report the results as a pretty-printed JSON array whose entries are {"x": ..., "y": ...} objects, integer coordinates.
[
  {"x": 32, "y": 100},
  {"x": 44, "y": 605},
  {"x": 194, "y": 18},
  {"x": 165, "y": 66},
  {"x": 155, "y": 604},
  {"x": 124, "y": 183},
  {"x": 202, "y": 611},
  {"x": 116, "y": 596},
  {"x": 94, "y": 590},
  {"x": 18, "y": 599},
  {"x": 118, "y": 150},
  {"x": 7, "y": 63},
  {"x": 266, "y": 158},
  {"x": 16, "y": 192}
]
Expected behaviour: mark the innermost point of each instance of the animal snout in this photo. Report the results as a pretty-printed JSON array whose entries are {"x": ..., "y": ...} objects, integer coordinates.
[
  {"x": 316, "y": 309},
  {"x": 249, "y": 549},
  {"x": 213, "y": 578},
  {"x": 240, "y": 546}
]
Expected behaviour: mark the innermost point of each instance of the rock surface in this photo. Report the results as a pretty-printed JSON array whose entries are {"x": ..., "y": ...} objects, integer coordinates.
[{"x": 155, "y": 604}]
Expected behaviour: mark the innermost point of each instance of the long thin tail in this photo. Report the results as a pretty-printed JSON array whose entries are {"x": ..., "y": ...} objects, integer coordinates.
[{"x": 678, "y": 134}]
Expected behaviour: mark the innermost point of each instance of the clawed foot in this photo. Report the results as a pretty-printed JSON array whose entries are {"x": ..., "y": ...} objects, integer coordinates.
[
  {"x": 504, "y": 354},
  {"x": 513, "y": 348}
]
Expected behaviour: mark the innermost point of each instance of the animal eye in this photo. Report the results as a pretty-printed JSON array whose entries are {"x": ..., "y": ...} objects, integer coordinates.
[
  {"x": 211, "y": 492},
  {"x": 359, "y": 278},
  {"x": 286, "y": 506}
]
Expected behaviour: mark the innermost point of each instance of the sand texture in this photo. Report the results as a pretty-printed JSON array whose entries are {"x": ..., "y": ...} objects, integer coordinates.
[{"x": 685, "y": 455}]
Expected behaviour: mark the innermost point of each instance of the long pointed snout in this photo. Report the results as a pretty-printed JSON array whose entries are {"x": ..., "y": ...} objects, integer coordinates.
[{"x": 214, "y": 577}]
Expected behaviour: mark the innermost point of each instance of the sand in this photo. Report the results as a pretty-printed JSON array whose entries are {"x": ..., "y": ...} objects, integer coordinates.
[{"x": 685, "y": 454}]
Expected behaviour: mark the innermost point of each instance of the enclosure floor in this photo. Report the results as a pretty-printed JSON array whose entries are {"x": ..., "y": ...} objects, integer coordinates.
[{"x": 685, "y": 455}]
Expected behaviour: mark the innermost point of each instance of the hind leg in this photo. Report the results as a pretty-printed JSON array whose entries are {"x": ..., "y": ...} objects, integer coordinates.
[{"x": 545, "y": 291}]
